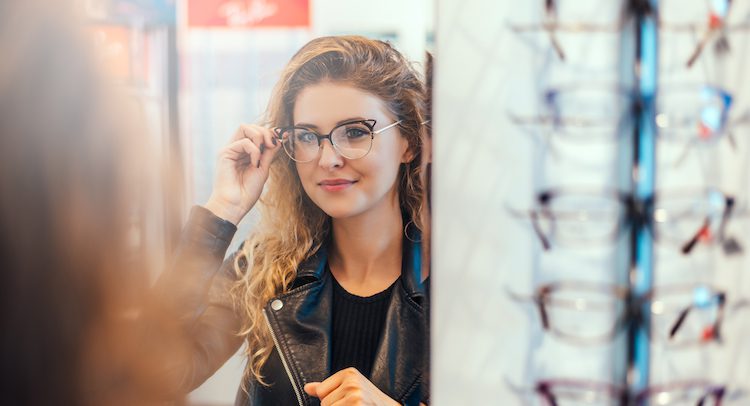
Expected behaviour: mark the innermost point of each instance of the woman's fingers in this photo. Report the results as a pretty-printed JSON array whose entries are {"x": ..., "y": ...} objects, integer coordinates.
[
  {"x": 240, "y": 150},
  {"x": 323, "y": 389},
  {"x": 262, "y": 138},
  {"x": 334, "y": 397},
  {"x": 267, "y": 156},
  {"x": 257, "y": 134},
  {"x": 268, "y": 137}
]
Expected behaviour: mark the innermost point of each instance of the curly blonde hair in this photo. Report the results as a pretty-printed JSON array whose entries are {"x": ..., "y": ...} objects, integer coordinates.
[{"x": 292, "y": 227}]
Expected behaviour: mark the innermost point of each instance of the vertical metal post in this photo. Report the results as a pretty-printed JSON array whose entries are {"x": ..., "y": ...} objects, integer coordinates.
[{"x": 644, "y": 159}]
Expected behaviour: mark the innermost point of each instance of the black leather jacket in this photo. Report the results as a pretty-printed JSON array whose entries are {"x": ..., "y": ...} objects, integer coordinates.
[{"x": 300, "y": 322}]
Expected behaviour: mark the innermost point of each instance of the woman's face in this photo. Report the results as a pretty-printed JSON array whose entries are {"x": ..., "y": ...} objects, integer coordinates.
[{"x": 342, "y": 187}]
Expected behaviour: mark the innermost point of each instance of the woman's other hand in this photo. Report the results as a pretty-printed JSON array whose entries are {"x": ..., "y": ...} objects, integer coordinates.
[
  {"x": 242, "y": 170},
  {"x": 348, "y": 387}
]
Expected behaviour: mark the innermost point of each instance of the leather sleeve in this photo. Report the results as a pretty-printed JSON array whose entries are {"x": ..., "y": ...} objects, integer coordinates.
[{"x": 195, "y": 331}]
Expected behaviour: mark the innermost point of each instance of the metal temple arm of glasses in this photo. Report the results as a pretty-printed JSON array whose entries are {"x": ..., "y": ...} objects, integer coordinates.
[
  {"x": 708, "y": 33},
  {"x": 387, "y": 127},
  {"x": 729, "y": 244},
  {"x": 699, "y": 47},
  {"x": 715, "y": 332},
  {"x": 535, "y": 299},
  {"x": 534, "y": 217},
  {"x": 690, "y": 244}
]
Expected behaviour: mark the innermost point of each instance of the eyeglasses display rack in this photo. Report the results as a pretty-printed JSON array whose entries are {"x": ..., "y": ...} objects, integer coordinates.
[
  {"x": 597, "y": 252},
  {"x": 644, "y": 168},
  {"x": 632, "y": 309}
]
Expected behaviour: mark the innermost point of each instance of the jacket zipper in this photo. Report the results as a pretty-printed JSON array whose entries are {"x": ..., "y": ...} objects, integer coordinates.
[{"x": 283, "y": 359}]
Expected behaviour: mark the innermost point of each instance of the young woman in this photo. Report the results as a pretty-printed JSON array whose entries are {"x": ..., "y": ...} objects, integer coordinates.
[{"x": 328, "y": 292}]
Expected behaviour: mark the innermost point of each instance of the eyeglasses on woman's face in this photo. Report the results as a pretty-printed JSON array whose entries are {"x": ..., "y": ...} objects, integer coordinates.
[{"x": 351, "y": 139}]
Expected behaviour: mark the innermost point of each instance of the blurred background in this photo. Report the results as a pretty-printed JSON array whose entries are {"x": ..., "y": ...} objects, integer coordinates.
[
  {"x": 199, "y": 68},
  {"x": 534, "y": 102}
]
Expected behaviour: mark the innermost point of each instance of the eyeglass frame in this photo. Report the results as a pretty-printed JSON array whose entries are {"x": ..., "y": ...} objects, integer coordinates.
[
  {"x": 714, "y": 27},
  {"x": 545, "y": 388},
  {"x": 635, "y": 211},
  {"x": 558, "y": 123},
  {"x": 551, "y": 25},
  {"x": 632, "y": 311},
  {"x": 369, "y": 123}
]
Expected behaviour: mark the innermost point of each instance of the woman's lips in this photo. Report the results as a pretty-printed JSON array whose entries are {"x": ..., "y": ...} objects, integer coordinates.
[{"x": 335, "y": 185}]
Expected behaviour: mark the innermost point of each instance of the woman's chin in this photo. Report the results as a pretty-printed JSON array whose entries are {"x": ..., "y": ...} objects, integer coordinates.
[{"x": 340, "y": 210}]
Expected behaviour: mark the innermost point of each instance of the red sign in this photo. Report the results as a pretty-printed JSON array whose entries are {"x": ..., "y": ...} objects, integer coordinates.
[{"x": 248, "y": 13}]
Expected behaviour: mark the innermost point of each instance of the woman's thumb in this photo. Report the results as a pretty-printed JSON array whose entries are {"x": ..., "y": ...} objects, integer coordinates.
[{"x": 312, "y": 388}]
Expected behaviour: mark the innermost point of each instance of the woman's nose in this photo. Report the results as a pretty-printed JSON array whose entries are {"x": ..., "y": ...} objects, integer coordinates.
[{"x": 329, "y": 157}]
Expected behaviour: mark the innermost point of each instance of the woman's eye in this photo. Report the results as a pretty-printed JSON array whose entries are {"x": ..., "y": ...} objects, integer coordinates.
[
  {"x": 306, "y": 137},
  {"x": 356, "y": 132}
]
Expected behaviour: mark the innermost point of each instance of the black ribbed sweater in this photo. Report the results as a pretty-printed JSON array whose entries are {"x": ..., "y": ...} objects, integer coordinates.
[{"x": 357, "y": 328}]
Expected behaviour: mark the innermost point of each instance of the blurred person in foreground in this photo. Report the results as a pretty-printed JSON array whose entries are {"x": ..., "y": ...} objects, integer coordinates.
[{"x": 71, "y": 284}]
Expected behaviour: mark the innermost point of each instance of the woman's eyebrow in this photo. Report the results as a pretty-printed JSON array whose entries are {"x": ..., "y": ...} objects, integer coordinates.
[{"x": 338, "y": 123}]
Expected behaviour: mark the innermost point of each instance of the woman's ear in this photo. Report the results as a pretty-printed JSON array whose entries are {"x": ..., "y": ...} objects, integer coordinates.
[
  {"x": 409, "y": 154},
  {"x": 407, "y": 157}
]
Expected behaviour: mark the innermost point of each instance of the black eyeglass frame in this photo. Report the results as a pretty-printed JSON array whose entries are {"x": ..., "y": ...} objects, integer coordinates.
[{"x": 369, "y": 123}]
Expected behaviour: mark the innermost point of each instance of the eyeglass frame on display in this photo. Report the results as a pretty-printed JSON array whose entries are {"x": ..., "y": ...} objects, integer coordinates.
[
  {"x": 545, "y": 390},
  {"x": 560, "y": 123},
  {"x": 634, "y": 211},
  {"x": 632, "y": 310},
  {"x": 716, "y": 24},
  {"x": 551, "y": 26},
  {"x": 369, "y": 123}
]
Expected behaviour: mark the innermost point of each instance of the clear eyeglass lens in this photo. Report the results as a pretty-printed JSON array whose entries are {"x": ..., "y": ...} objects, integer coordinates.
[
  {"x": 685, "y": 317},
  {"x": 568, "y": 395},
  {"x": 687, "y": 114},
  {"x": 678, "y": 218},
  {"x": 586, "y": 113},
  {"x": 353, "y": 140},
  {"x": 580, "y": 220},
  {"x": 691, "y": 395},
  {"x": 584, "y": 314},
  {"x": 300, "y": 144}
]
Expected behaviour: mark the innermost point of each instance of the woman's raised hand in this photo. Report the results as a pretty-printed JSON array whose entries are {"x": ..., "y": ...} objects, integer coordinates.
[{"x": 242, "y": 170}]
